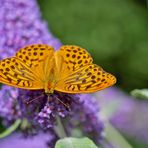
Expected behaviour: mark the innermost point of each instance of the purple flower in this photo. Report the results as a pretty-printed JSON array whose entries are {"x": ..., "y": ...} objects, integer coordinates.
[
  {"x": 21, "y": 25},
  {"x": 9, "y": 108},
  {"x": 86, "y": 112},
  {"x": 74, "y": 111},
  {"x": 43, "y": 109},
  {"x": 130, "y": 115}
]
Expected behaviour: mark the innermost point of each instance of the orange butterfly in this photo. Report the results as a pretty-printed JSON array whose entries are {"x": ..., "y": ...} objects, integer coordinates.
[{"x": 69, "y": 70}]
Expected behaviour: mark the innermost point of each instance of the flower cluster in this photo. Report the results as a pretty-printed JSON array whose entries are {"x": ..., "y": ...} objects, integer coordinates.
[
  {"x": 43, "y": 109},
  {"x": 86, "y": 112},
  {"x": 9, "y": 108},
  {"x": 21, "y": 25}
]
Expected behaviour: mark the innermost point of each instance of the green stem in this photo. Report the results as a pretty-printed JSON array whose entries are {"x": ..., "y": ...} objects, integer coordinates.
[
  {"x": 115, "y": 138},
  {"x": 11, "y": 129},
  {"x": 59, "y": 129}
]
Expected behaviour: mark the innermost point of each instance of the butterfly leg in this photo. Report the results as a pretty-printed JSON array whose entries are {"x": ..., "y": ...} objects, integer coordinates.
[
  {"x": 32, "y": 100},
  {"x": 49, "y": 100}
]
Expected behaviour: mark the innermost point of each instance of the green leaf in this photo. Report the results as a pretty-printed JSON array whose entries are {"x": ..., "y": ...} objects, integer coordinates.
[
  {"x": 75, "y": 143},
  {"x": 140, "y": 93}
]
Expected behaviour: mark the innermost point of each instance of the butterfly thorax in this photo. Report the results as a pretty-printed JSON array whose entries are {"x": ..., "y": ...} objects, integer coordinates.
[
  {"x": 50, "y": 88},
  {"x": 50, "y": 84}
]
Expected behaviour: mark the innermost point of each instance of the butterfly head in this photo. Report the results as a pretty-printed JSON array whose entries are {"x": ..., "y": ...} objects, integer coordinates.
[{"x": 50, "y": 87}]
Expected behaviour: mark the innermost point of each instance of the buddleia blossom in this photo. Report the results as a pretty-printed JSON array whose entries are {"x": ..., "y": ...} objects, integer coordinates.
[
  {"x": 129, "y": 115},
  {"x": 74, "y": 111},
  {"x": 9, "y": 108},
  {"x": 43, "y": 110},
  {"x": 87, "y": 115},
  {"x": 21, "y": 25}
]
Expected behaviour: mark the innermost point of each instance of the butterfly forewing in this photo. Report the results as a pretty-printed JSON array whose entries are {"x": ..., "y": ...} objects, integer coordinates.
[
  {"x": 34, "y": 54},
  {"x": 73, "y": 57},
  {"x": 37, "y": 57},
  {"x": 28, "y": 68}
]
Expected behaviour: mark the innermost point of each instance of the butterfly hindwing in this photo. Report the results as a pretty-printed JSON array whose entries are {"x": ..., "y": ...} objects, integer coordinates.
[
  {"x": 89, "y": 78},
  {"x": 15, "y": 73}
]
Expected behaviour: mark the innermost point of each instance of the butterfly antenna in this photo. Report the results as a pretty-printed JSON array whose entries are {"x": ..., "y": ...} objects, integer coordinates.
[
  {"x": 37, "y": 98},
  {"x": 67, "y": 106}
]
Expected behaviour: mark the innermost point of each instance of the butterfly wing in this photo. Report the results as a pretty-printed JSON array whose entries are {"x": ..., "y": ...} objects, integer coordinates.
[
  {"x": 27, "y": 68},
  {"x": 37, "y": 57},
  {"x": 90, "y": 78},
  {"x": 14, "y": 72},
  {"x": 77, "y": 72},
  {"x": 70, "y": 58}
]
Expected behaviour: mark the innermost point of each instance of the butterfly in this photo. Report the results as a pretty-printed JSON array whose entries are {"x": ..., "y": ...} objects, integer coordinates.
[{"x": 69, "y": 69}]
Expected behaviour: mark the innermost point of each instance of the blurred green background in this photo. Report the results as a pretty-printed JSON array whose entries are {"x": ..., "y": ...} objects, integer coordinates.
[{"x": 113, "y": 31}]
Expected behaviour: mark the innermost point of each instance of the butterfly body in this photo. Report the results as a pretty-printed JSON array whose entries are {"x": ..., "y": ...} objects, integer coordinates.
[{"x": 69, "y": 70}]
